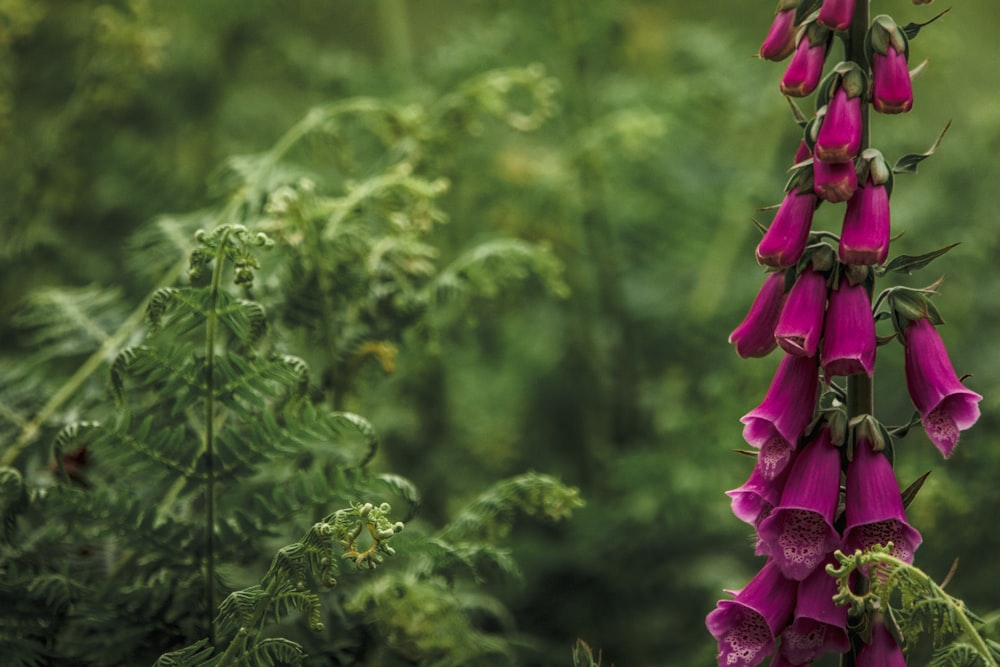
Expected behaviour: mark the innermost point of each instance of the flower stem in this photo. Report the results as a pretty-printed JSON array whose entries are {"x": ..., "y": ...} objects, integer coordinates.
[{"x": 860, "y": 392}]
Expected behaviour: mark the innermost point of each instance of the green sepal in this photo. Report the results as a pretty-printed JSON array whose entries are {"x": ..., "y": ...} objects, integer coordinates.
[
  {"x": 805, "y": 10},
  {"x": 801, "y": 179},
  {"x": 911, "y": 29},
  {"x": 910, "y": 492},
  {"x": 883, "y": 32},
  {"x": 800, "y": 118},
  {"x": 902, "y": 430},
  {"x": 909, "y": 263},
  {"x": 907, "y": 164},
  {"x": 846, "y": 74},
  {"x": 908, "y": 304}
]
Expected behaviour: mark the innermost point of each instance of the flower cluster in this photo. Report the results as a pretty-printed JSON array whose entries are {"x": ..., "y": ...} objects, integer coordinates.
[{"x": 823, "y": 478}]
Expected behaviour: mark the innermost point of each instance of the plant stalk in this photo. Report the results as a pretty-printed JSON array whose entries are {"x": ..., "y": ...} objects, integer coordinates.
[
  {"x": 860, "y": 387},
  {"x": 211, "y": 322}
]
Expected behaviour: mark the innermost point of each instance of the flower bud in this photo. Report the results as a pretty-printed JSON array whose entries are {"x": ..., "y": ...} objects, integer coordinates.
[
  {"x": 836, "y": 14},
  {"x": 864, "y": 237},
  {"x": 780, "y": 40},
  {"x": 892, "y": 91},
  {"x": 834, "y": 181},
  {"x": 806, "y": 66},
  {"x": 839, "y": 138},
  {"x": 754, "y": 337},
  {"x": 801, "y": 323},
  {"x": 849, "y": 332},
  {"x": 788, "y": 234},
  {"x": 888, "y": 51}
]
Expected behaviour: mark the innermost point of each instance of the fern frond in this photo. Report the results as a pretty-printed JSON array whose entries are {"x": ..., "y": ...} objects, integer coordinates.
[
  {"x": 275, "y": 651},
  {"x": 58, "y": 322},
  {"x": 304, "y": 601},
  {"x": 158, "y": 247},
  {"x": 239, "y": 608},
  {"x": 198, "y": 654},
  {"x": 490, "y": 516},
  {"x": 341, "y": 436},
  {"x": 487, "y": 268},
  {"x": 924, "y": 606},
  {"x": 159, "y": 301},
  {"x": 14, "y": 500}
]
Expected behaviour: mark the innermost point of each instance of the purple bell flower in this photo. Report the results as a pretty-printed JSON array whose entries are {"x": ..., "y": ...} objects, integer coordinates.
[
  {"x": 747, "y": 625},
  {"x": 892, "y": 90},
  {"x": 864, "y": 237},
  {"x": 820, "y": 625},
  {"x": 882, "y": 651},
  {"x": 800, "y": 325},
  {"x": 849, "y": 333},
  {"x": 946, "y": 406},
  {"x": 834, "y": 182},
  {"x": 754, "y": 337},
  {"x": 799, "y": 533},
  {"x": 786, "y": 238},
  {"x": 839, "y": 138},
  {"x": 836, "y": 14},
  {"x": 874, "y": 507},
  {"x": 806, "y": 66},
  {"x": 776, "y": 425},
  {"x": 780, "y": 40}
]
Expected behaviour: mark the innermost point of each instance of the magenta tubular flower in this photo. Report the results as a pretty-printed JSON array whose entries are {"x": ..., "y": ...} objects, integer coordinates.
[
  {"x": 946, "y": 406},
  {"x": 776, "y": 425},
  {"x": 754, "y": 337},
  {"x": 882, "y": 651},
  {"x": 836, "y": 14},
  {"x": 780, "y": 40},
  {"x": 864, "y": 237},
  {"x": 799, "y": 533},
  {"x": 788, "y": 234},
  {"x": 874, "y": 507},
  {"x": 800, "y": 325},
  {"x": 806, "y": 66},
  {"x": 746, "y": 626},
  {"x": 839, "y": 138},
  {"x": 892, "y": 91},
  {"x": 819, "y": 625},
  {"x": 756, "y": 496},
  {"x": 849, "y": 332},
  {"x": 834, "y": 182}
]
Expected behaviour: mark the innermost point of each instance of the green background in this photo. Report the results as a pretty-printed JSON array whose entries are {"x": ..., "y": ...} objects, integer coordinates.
[{"x": 670, "y": 136}]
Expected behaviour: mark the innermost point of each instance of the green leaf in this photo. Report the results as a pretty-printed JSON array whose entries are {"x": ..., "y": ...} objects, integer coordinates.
[
  {"x": 911, "y": 29},
  {"x": 908, "y": 163},
  {"x": 909, "y": 263},
  {"x": 910, "y": 492}
]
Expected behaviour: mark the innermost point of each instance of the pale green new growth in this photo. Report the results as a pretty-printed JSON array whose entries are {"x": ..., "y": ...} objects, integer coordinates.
[
  {"x": 916, "y": 605},
  {"x": 288, "y": 588}
]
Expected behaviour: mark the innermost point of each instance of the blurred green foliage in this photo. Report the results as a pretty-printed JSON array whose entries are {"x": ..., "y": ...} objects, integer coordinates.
[{"x": 667, "y": 139}]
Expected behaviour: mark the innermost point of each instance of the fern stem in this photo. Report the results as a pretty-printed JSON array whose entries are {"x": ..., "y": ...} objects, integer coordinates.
[
  {"x": 239, "y": 643},
  {"x": 211, "y": 322},
  {"x": 69, "y": 388}
]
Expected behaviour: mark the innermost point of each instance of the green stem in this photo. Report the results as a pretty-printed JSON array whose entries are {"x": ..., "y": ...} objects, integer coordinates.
[
  {"x": 860, "y": 393},
  {"x": 211, "y": 322},
  {"x": 238, "y": 645}
]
